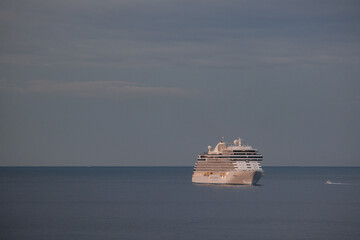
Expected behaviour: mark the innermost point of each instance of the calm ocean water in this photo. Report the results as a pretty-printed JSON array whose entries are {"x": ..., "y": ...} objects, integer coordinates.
[{"x": 162, "y": 203}]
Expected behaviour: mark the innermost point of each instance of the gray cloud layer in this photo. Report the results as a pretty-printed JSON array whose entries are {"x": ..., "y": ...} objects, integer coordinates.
[
  {"x": 90, "y": 89},
  {"x": 81, "y": 80},
  {"x": 162, "y": 33}
]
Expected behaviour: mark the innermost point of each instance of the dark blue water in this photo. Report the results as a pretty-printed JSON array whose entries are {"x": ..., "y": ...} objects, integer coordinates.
[{"x": 162, "y": 203}]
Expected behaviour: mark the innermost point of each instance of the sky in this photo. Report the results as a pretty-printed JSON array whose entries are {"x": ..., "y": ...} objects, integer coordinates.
[{"x": 153, "y": 82}]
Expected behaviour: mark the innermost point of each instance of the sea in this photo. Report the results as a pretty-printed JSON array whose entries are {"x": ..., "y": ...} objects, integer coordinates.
[{"x": 162, "y": 203}]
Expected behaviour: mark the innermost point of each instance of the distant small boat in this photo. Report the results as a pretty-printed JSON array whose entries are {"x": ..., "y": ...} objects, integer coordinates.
[{"x": 330, "y": 182}]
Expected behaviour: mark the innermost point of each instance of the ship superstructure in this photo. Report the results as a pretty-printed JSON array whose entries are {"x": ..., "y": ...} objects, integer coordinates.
[{"x": 229, "y": 164}]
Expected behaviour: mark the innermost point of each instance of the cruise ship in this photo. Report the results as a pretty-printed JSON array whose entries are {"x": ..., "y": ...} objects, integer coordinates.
[{"x": 229, "y": 164}]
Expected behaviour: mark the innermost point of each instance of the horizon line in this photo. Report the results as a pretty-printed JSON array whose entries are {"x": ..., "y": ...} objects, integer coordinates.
[{"x": 104, "y": 166}]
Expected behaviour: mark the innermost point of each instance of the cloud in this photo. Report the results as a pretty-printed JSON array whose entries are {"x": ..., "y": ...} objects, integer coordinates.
[
  {"x": 90, "y": 88},
  {"x": 134, "y": 34}
]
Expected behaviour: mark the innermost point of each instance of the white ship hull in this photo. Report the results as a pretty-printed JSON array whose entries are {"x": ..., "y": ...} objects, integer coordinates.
[{"x": 232, "y": 177}]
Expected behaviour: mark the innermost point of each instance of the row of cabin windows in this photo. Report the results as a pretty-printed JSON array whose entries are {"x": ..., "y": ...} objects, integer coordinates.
[
  {"x": 235, "y": 152},
  {"x": 232, "y": 156},
  {"x": 234, "y": 160},
  {"x": 244, "y": 150},
  {"x": 249, "y": 164},
  {"x": 250, "y": 153}
]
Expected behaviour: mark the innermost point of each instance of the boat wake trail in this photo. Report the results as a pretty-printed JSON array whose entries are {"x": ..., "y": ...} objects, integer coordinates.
[{"x": 337, "y": 183}]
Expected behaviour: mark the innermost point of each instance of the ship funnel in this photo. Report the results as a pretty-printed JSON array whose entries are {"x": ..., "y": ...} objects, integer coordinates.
[{"x": 237, "y": 142}]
